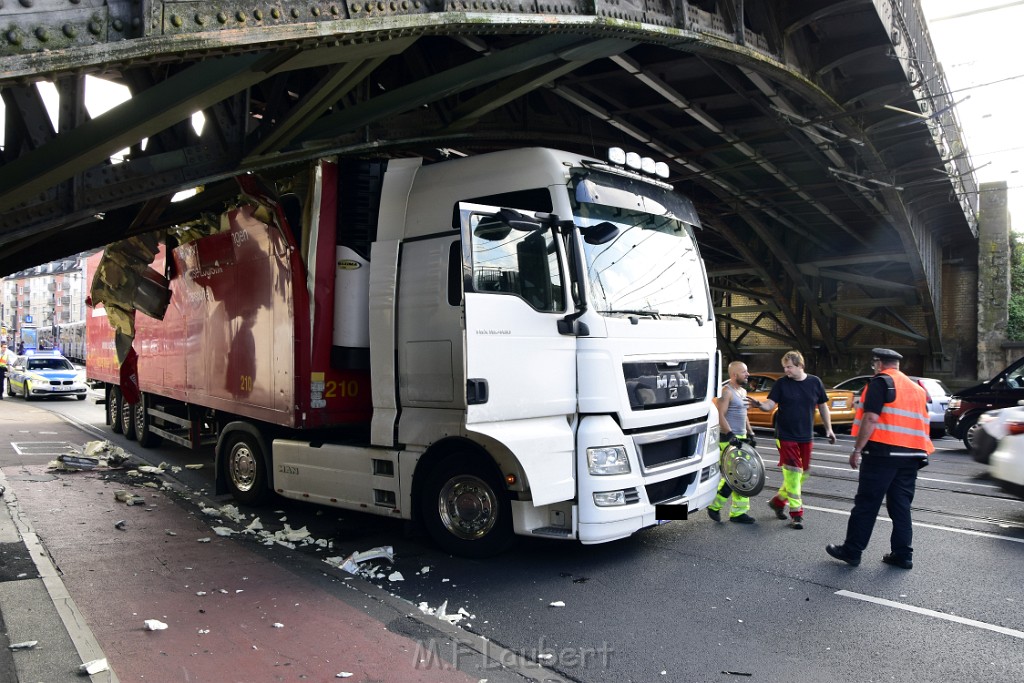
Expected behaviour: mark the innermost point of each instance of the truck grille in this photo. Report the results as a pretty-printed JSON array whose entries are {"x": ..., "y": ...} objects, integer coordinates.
[
  {"x": 670, "y": 489},
  {"x": 664, "y": 452}
]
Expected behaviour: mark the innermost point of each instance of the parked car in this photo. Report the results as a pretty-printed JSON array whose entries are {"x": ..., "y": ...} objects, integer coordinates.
[
  {"x": 938, "y": 398},
  {"x": 966, "y": 406},
  {"x": 1006, "y": 464},
  {"x": 840, "y": 403},
  {"x": 45, "y": 375}
]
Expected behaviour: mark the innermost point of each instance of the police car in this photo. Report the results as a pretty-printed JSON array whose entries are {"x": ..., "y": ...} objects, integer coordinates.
[{"x": 43, "y": 374}]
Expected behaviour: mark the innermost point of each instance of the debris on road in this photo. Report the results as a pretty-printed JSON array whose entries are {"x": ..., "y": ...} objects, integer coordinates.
[
  {"x": 128, "y": 498},
  {"x": 195, "y": 466},
  {"x": 351, "y": 563},
  {"x": 120, "y": 524},
  {"x": 155, "y": 625},
  {"x": 557, "y": 603},
  {"x": 27, "y": 645},
  {"x": 94, "y": 667},
  {"x": 77, "y": 462}
]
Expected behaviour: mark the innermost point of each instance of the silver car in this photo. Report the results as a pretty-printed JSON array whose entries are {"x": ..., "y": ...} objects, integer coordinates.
[{"x": 938, "y": 398}]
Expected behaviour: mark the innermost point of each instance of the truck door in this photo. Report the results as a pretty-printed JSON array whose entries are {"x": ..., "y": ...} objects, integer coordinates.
[{"x": 521, "y": 373}]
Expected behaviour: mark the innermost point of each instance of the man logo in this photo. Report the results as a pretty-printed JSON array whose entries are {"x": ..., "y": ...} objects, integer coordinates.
[{"x": 349, "y": 264}]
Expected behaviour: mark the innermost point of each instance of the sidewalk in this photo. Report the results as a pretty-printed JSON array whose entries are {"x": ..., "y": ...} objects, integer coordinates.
[{"x": 81, "y": 573}]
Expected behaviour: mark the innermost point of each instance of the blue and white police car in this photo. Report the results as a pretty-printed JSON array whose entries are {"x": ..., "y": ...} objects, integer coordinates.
[{"x": 45, "y": 375}]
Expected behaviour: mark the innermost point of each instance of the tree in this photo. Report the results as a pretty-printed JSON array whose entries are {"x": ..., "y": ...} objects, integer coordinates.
[{"x": 1015, "y": 317}]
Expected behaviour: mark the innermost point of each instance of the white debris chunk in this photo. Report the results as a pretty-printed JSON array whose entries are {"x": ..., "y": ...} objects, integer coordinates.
[
  {"x": 212, "y": 512},
  {"x": 151, "y": 484},
  {"x": 223, "y": 531},
  {"x": 351, "y": 563},
  {"x": 94, "y": 667},
  {"x": 254, "y": 526},
  {"x": 128, "y": 498},
  {"x": 396, "y": 576},
  {"x": 155, "y": 625},
  {"x": 424, "y": 570},
  {"x": 277, "y": 624},
  {"x": 204, "y": 539},
  {"x": 233, "y": 513},
  {"x": 27, "y": 645},
  {"x": 545, "y": 655},
  {"x": 170, "y": 533},
  {"x": 194, "y": 466},
  {"x": 557, "y": 603},
  {"x": 344, "y": 674},
  {"x": 149, "y": 469}
]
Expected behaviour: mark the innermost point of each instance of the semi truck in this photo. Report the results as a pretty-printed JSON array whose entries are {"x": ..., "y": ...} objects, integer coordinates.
[{"x": 519, "y": 342}]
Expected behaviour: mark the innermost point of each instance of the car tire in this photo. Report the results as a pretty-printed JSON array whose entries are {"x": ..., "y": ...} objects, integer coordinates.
[
  {"x": 25, "y": 392},
  {"x": 969, "y": 428}
]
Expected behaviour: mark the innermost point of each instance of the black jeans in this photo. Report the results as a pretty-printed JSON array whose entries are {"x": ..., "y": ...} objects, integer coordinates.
[{"x": 895, "y": 481}]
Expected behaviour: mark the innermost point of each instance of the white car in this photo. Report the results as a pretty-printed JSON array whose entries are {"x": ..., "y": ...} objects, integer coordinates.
[
  {"x": 1006, "y": 464},
  {"x": 44, "y": 375}
]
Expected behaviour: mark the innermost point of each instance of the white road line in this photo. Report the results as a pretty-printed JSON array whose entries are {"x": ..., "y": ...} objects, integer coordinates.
[
  {"x": 941, "y": 481},
  {"x": 937, "y": 527},
  {"x": 932, "y": 613}
]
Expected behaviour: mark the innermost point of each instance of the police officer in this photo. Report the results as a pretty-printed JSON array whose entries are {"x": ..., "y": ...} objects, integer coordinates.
[{"x": 891, "y": 430}]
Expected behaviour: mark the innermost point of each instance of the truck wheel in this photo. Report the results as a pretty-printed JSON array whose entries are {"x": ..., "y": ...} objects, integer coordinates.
[
  {"x": 245, "y": 469},
  {"x": 465, "y": 508},
  {"x": 114, "y": 410},
  {"x": 143, "y": 434},
  {"x": 127, "y": 419}
]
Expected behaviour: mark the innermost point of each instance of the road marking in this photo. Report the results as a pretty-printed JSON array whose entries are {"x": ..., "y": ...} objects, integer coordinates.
[
  {"x": 42, "y": 447},
  {"x": 932, "y": 613},
  {"x": 919, "y": 478},
  {"x": 937, "y": 527}
]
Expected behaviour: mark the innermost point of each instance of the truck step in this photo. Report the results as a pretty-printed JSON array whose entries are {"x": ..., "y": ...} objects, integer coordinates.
[{"x": 553, "y": 532}]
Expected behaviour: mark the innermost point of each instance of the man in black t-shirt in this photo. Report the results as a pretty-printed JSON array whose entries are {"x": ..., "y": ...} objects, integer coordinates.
[{"x": 797, "y": 394}]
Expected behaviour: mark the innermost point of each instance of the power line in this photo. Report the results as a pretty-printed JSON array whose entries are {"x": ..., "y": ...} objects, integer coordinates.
[{"x": 977, "y": 11}]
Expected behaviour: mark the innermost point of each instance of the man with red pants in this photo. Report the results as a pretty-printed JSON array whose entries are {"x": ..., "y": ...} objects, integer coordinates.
[
  {"x": 796, "y": 394},
  {"x": 891, "y": 429}
]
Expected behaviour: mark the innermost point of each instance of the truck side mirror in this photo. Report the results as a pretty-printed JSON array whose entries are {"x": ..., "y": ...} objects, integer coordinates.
[{"x": 602, "y": 233}]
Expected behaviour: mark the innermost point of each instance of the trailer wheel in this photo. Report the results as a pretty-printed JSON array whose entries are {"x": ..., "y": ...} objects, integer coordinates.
[
  {"x": 466, "y": 509},
  {"x": 114, "y": 410},
  {"x": 143, "y": 434},
  {"x": 245, "y": 469},
  {"x": 127, "y": 415}
]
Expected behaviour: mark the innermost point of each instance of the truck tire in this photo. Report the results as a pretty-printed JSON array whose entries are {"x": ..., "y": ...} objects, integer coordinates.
[
  {"x": 127, "y": 416},
  {"x": 245, "y": 468},
  {"x": 143, "y": 434},
  {"x": 114, "y": 410},
  {"x": 465, "y": 508}
]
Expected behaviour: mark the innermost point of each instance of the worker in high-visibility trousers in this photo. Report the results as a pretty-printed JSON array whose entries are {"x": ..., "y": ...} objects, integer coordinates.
[
  {"x": 734, "y": 428},
  {"x": 796, "y": 395}
]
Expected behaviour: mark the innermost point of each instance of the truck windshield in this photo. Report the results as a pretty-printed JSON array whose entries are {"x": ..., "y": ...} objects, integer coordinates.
[{"x": 652, "y": 268}]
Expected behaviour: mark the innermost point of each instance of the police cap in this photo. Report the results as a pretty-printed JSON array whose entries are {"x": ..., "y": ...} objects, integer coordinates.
[{"x": 885, "y": 354}]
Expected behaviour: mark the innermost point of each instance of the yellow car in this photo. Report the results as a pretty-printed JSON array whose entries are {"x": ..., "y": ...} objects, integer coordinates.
[{"x": 840, "y": 404}]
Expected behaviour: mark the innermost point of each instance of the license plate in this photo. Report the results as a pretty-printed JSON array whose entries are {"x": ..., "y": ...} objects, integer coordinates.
[
  {"x": 61, "y": 388},
  {"x": 839, "y": 403}
]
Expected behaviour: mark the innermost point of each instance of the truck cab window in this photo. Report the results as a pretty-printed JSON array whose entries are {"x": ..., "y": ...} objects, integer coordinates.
[{"x": 517, "y": 260}]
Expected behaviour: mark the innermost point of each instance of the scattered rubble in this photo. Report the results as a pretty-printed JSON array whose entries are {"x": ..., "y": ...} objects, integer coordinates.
[
  {"x": 128, "y": 498},
  {"x": 27, "y": 645},
  {"x": 155, "y": 625},
  {"x": 94, "y": 667}
]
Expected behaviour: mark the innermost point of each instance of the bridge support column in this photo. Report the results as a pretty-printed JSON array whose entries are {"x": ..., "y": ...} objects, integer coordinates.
[{"x": 993, "y": 278}]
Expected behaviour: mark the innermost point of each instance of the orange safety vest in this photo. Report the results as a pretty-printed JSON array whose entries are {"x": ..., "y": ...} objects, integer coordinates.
[{"x": 904, "y": 422}]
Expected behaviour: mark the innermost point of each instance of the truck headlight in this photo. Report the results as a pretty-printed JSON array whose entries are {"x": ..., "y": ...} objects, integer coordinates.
[
  {"x": 606, "y": 460},
  {"x": 712, "y": 442}
]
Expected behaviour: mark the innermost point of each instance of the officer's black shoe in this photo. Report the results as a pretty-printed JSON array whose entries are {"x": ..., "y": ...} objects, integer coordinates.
[
  {"x": 715, "y": 515},
  {"x": 742, "y": 519},
  {"x": 895, "y": 561},
  {"x": 840, "y": 553}
]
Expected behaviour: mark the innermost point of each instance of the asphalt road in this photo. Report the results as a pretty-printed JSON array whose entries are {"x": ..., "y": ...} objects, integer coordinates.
[{"x": 699, "y": 601}]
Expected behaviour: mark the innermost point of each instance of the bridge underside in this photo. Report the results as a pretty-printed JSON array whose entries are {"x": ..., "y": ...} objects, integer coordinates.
[{"x": 816, "y": 138}]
